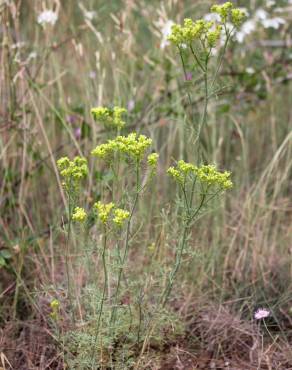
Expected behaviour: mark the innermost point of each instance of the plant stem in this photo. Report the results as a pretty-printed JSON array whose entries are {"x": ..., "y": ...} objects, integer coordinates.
[
  {"x": 70, "y": 208},
  {"x": 185, "y": 74},
  {"x": 197, "y": 59},
  {"x": 219, "y": 64},
  {"x": 176, "y": 266},
  {"x": 206, "y": 101},
  {"x": 180, "y": 251},
  {"x": 103, "y": 292},
  {"x": 126, "y": 249}
]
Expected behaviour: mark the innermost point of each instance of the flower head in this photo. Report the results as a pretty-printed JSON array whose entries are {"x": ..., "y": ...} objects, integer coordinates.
[
  {"x": 103, "y": 211},
  {"x": 72, "y": 171},
  {"x": 207, "y": 174},
  {"x": 133, "y": 146},
  {"x": 152, "y": 160},
  {"x": 189, "y": 32},
  {"x": 47, "y": 17},
  {"x": 166, "y": 31},
  {"x": 261, "y": 313},
  {"x": 55, "y": 305},
  {"x": 210, "y": 175},
  {"x": 175, "y": 174},
  {"x": 227, "y": 12},
  {"x": 213, "y": 36},
  {"x": 181, "y": 171},
  {"x": 120, "y": 216},
  {"x": 109, "y": 117},
  {"x": 79, "y": 214},
  {"x": 223, "y": 10}
]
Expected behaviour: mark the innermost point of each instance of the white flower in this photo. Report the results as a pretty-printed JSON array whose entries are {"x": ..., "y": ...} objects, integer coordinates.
[
  {"x": 261, "y": 14},
  {"x": 18, "y": 45},
  {"x": 245, "y": 10},
  {"x": 89, "y": 15},
  {"x": 247, "y": 28},
  {"x": 166, "y": 31},
  {"x": 273, "y": 22},
  {"x": 250, "y": 70},
  {"x": 92, "y": 75},
  {"x": 47, "y": 16},
  {"x": 261, "y": 313},
  {"x": 271, "y": 3},
  {"x": 32, "y": 55},
  {"x": 183, "y": 45},
  {"x": 212, "y": 17}
]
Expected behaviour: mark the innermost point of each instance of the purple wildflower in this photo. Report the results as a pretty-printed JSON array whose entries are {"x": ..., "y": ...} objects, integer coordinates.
[
  {"x": 77, "y": 133},
  {"x": 188, "y": 76}
]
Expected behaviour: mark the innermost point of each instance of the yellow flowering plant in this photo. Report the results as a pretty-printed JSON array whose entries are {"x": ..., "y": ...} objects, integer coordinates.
[
  {"x": 114, "y": 209},
  {"x": 198, "y": 41}
]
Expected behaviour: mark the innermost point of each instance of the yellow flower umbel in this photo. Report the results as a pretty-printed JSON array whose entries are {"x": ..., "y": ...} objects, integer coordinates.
[
  {"x": 79, "y": 214},
  {"x": 189, "y": 32},
  {"x": 182, "y": 170},
  {"x": 207, "y": 33},
  {"x": 227, "y": 13},
  {"x": 152, "y": 160},
  {"x": 103, "y": 211},
  {"x": 109, "y": 117},
  {"x": 72, "y": 171},
  {"x": 207, "y": 174},
  {"x": 55, "y": 306},
  {"x": 120, "y": 216},
  {"x": 133, "y": 146},
  {"x": 213, "y": 36}
]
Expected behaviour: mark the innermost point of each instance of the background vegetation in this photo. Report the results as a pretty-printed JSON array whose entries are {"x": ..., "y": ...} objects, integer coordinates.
[{"x": 239, "y": 259}]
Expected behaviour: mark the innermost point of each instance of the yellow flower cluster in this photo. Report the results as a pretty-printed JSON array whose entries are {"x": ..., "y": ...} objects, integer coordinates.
[
  {"x": 213, "y": 36},
  {"x": 173, "y": 172},
  {"x": 120, "y": 215},
  {"x": 110, "y": 117},
  {"x": 205, "y": 173},
  {"x": 79, "y": 214},
  {"x": 181, "y": 171},
  {"x": 152, "y": 160},
  {"x": 203, "y": 30},
  {"x": 55, "y": 305},
  {"x": 132, "y": 145},
  {"x": 72, "y": 171},
  {"x": 228, "y": 12},
  {"x": 210, "y": 175},
  {"x": 107, "y": 212},
  {"x": 104, "y": 211},
  {"x": 189, "y": 32}
]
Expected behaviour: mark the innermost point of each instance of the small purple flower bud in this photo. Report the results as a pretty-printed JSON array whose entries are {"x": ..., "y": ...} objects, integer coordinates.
[
  {"x": 71, "y": 119},
  {"x": 131, "y": 105},
  {"x": 188, "y": 76},
  {"x": 77, "y": 133}
]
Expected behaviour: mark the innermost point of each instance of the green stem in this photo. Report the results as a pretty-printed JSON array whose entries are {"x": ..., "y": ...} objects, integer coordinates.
[
  {"x": 176, "y": 266},
  {"x": 219, "y": 64},
  {"x": 185, "y": 74},
  {"x": 103, "y": 293},
  {"x": 197, "y": 59},
  {"x": 126, "y": 249},
  {"x": 206, "y": 101},
  {"x": 70, "y": 209},
  {"x": 179, "y": 253}
]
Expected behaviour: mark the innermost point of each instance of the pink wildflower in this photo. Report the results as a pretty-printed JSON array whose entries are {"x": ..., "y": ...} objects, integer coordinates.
[{"x": 261, "y": 313}]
